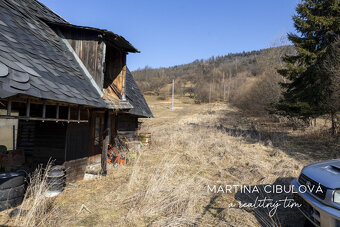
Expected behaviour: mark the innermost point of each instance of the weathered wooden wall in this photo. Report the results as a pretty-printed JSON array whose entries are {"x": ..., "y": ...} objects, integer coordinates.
[
  {"x": 77, "y": 141},
  {"x": 127, "y": 126},
  {"x": 115, "y": 72},
  {"x": 127, "y": 122},
  {"x": 90, "y": 50},
  {"x": 76, "y": 150},
  {"x": 26, "y": 134},
  {"x": 106, "y": 63},
  {"x": 114, "y": 64},
  {"x": 49, "y": 142},
  {"x": 42, "y": 141}
]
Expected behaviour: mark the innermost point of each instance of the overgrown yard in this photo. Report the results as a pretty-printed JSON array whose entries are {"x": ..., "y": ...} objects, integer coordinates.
[{"x": 194, "y": 148}]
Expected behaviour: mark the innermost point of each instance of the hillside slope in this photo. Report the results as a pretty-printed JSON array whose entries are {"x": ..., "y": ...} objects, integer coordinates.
[
  {"x": 248, "y": 64},
  {"x": 241, "y": 79}
]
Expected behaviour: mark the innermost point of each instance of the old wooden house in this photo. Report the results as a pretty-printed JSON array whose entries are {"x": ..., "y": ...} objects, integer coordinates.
[{"x": 68, "y": 86}]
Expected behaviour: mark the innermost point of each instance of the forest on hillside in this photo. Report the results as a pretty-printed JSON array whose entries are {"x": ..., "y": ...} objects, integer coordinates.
[{"x": 241, "y": 79}]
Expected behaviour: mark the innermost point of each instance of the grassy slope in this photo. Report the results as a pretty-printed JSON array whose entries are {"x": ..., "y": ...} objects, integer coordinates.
[{"x": 167, "y": 184}]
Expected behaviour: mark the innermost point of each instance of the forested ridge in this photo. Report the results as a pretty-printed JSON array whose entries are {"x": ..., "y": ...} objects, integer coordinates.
[{"x": 238, "y": 78}]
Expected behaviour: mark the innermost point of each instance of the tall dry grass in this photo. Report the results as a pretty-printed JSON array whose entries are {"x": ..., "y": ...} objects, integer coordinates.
[
  {"x": 168, "y": 181},
  {"x": 166, "y": 185},
  {"x": 37, "y": 209}
]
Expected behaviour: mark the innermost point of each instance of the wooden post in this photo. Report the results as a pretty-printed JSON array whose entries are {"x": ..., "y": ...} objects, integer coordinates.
[
  {"x": 78, "y": 114},
  {"x": 123, "y": 84},
  {"x": 28, "y": 108},
  {"x": 57, "y": 112},
  {"x": 210, "y": 93},
  {"x": 229, "y": 82},
  {"x": 44, "y": 111},
  {"x": 13, "y": 137},
  {"x": 213, "y": 83},
  {"x": 69, "y": 113},
  {"x": 173, "y": 94},
  {"x": 223, "y": 88},
  {"x": 106, "y": 141},
  {"x": 9, "y": 107}
]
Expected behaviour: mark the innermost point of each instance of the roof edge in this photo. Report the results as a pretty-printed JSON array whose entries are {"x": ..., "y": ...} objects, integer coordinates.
[{"x": 109, "y": 35}]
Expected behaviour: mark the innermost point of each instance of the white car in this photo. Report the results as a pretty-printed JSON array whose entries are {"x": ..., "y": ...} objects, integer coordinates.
[{"x": 318, "y": 192}]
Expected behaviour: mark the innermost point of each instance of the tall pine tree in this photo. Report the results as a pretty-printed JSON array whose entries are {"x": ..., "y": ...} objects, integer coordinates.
[{"x": 318, "y": 24}]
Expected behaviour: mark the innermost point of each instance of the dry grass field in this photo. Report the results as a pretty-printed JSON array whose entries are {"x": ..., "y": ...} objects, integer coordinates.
[{"x": 193, "y": 147}]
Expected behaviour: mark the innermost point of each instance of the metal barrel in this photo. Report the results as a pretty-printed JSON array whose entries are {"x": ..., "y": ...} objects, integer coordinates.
[{"x": 145, "y": 138}]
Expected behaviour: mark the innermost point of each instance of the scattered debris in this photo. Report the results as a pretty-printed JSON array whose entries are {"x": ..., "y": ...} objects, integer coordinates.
[
  {"x": 92, "y": 171},
  {"x": 114, "y": 157},
  {"x": 83, "y": 207},
  {"x": 17, "y": 211},
  {"x": 145, "y": 138}
]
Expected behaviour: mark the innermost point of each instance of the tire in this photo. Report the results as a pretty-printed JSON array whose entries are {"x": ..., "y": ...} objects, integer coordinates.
[
  {"x": 56, "y": 173},
  {"x": 56, "y": 187},
  {"x": 11, "y": 181},
  {"x": 12, "y": 193},
  {"x": 57, "y": 168},
  {"x": 10, "y": 203},
  {"x": 56, "y": 180}
]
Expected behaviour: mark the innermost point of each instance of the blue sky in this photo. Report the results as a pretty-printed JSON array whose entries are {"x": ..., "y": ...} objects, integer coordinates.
[{"x": 173, "y": 32}]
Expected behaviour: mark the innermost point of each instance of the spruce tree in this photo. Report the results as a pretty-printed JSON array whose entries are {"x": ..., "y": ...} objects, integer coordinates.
[{"x": 318, "y": 25}]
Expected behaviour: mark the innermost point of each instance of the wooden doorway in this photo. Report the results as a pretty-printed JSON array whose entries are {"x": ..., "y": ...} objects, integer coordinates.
[{"x": 96, "y": 138}]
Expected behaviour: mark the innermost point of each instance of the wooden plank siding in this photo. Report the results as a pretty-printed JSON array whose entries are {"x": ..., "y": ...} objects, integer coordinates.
[
  {"x": 77, "y": 141},
  {"x": 127, "y": 127},
  {"x": 105, "y": 63},
  {"x": 114, "y": 65},
  {"x": 26, "y": 133},
  {"x": 49, "y": 142},
  {"x": 91, "y": 50},
  {"x": 114, "y": 79},
  {"x": 66, "y": 144}
]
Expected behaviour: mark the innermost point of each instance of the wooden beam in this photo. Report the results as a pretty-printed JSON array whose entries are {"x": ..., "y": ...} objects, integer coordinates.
[
  {"x": 123, "y": 83},
  {"x": 78, "y": 113},
  {"x": 106, "y": 141},
  {"x": 69, "y": 113},
  {"x": 9, "y": 107},
  {"x": 44, "y": 110},
  {"x": 34, "y": 100},
  {"x": 39, "y": 119},
  {"x": 13, "y": 137},
  {"x": 28, "y": 107},
  {"x": 57, "y": 112}
]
